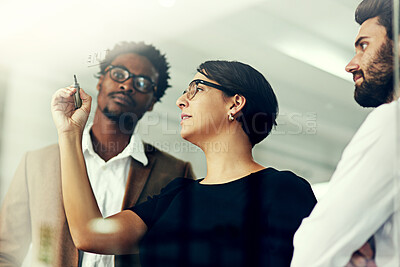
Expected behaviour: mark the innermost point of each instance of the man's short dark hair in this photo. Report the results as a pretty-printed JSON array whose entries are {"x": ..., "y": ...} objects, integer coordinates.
[
  {"x": 148, "y": 51},
  {"x": 383, "y": 9},
  {"x": 261, "y": 108}
]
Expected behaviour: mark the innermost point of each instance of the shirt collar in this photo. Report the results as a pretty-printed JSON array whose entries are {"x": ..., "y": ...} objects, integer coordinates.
[{"x": 134, "y": 149}]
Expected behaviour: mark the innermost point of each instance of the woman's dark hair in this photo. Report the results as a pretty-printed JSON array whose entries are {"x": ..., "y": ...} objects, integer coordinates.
[
  {"x": 383, "y": 9},
  {"x": 148, "y": 51},
  {"x": 261, "y": 108}
]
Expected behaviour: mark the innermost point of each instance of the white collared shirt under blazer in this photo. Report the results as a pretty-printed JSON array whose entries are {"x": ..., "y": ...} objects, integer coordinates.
[{"x": 108, "y": 181}]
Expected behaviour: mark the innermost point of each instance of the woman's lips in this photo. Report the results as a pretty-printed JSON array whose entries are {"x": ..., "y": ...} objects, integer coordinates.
[{"x": 185, "y": 117}]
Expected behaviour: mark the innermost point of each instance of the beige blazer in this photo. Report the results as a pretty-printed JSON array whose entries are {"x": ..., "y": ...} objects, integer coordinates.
[{"x": 32, "y": 211}]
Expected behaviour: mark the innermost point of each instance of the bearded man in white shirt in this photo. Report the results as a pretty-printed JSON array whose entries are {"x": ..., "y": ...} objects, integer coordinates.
[
  {"x": 123, "y": 170},
  {"x": 362, "y": 201}
]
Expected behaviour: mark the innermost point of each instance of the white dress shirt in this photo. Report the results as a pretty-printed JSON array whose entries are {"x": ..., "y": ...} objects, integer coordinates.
[
  {"x": 108, "y": 181},
  {"x": 360, "y": 201}
]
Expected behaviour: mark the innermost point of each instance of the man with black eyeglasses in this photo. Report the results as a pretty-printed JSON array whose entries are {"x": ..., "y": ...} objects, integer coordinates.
[{"x": 123, "y": 171}]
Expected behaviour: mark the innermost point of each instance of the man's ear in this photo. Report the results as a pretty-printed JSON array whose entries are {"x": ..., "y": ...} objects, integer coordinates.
[
  {"x": 98, "y": 86},
  {"x": 237, "y": 104}
]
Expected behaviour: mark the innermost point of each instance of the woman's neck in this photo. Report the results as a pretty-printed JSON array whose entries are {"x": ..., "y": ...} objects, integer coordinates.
[{"x": 229, "y": 160}]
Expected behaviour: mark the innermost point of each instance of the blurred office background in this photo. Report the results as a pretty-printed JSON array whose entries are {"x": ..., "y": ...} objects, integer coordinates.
[{"x": 301, "y": 46}]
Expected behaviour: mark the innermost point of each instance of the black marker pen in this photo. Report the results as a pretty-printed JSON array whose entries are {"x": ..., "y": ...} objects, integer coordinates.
[{"x": 77, "y": 98}]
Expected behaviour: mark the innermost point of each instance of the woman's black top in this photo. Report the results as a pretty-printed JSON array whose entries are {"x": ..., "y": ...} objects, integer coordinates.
[{"x": 247, "y": 222}]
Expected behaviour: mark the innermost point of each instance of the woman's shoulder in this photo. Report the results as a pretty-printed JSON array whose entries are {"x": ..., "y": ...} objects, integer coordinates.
[
  {"x": 273, "y": 177},
  {"x": 287, "y": 188},
  {"x": 176, "y": 185}
]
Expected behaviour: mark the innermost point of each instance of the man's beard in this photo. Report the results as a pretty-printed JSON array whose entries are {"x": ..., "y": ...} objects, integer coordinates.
[
  {"x": 125, "y": 120},
  {"x": 378, "y": 89}
]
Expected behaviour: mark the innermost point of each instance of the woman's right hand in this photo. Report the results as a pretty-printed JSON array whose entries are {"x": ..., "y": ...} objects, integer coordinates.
[{"x": 65, "y": 117}]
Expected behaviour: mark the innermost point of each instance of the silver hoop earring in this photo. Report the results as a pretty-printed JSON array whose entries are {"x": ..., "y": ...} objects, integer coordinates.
[{"x": 230, "y": 117}]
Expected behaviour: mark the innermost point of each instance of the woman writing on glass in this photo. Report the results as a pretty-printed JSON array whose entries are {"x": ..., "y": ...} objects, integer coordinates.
[{"x": 240, "y": 214}]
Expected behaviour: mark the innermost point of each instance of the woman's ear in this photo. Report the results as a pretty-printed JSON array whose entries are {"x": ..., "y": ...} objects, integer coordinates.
[{"x": 237, "y": 104}]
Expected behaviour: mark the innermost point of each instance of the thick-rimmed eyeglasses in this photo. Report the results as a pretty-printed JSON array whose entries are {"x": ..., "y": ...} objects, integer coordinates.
[
  {"x": 141, "y": 83},
  {"x": 193, "y": 87}
]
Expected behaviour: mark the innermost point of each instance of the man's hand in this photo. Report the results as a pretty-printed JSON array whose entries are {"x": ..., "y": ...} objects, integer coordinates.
[
  {"x": 65, "y": 117},
  {"x": 364, "y": 257}
]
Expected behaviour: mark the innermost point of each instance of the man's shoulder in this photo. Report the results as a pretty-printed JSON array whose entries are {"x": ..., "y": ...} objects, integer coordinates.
[
  {"x": 384, "y": 113},
  {"x": 48, "y": 153},
  {"x": 47, "y": 150},
  {"x": 379, "y": 121}
]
